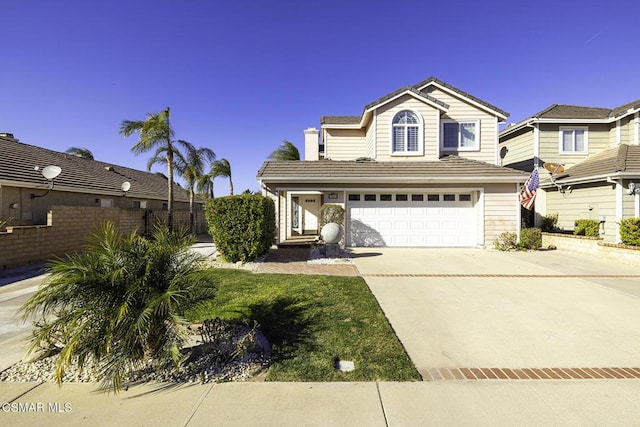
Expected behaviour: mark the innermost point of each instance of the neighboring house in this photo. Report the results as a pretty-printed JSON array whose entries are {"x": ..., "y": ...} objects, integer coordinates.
[
  {"x": 81, "y": 182},
  {"x": 599, "y": 152},
  {"x": 418, "y": 167}
]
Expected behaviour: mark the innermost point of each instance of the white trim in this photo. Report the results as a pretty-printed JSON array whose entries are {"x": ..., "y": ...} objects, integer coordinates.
[
  {"x": 375, "y": 134},
  {"x": 497, "y": 145},
  {"x": 420, "y": 127},
  {"x": 573, "y": 128},
  {"x": 619, "y": 208},
  {"x": 636, "y": 129},
  {"x": 406, "y": 92},
  {"x": 468, "y": 100},
  {"x": 618, "y": 132},
  {"x": 482, "y": 219},
  {"x": 536, "y": 145},
  {"x": 453, "y": 179},
  {"x": 438, "y": 134},
  {"x": 460, "y": 122},
  {"x": 518, "y": 212}
]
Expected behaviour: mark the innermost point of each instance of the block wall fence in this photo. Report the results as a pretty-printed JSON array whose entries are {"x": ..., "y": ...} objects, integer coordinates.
[{"x": 67, "y": 230}]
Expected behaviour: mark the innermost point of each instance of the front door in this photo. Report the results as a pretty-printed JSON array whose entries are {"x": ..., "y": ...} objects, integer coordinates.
[{"x": 310, "y": 207}]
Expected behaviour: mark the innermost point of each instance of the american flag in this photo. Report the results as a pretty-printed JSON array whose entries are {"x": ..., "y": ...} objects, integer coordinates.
[{"x": 529, "y": 189}]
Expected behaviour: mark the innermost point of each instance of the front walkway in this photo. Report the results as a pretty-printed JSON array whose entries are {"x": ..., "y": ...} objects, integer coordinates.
[{"x": 293, "y": 260}]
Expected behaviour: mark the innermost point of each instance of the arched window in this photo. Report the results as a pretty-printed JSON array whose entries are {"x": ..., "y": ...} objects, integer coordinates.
[{"x": 406, "y": 133}]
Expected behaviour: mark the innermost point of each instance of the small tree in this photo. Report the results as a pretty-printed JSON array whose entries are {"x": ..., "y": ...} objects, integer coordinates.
[
  {"x": 630, "y": 231},
  {"x": 121, "y": 302},
  {"x": 331, "y": 213}
]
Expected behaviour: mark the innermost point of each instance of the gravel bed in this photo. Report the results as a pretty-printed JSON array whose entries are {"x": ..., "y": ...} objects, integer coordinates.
[
  {"x": 317, "y": 256},
  {"x": 203, "y": 369}
]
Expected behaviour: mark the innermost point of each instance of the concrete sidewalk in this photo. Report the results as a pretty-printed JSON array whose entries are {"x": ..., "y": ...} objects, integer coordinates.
[{"x": 479, "y": 403}]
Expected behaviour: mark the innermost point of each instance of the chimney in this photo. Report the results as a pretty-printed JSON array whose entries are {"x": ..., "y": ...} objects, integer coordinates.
[{"x": 311, "y": 147}]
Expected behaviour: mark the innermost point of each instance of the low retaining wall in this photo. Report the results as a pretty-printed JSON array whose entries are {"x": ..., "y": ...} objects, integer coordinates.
[
  {"x": 593, "y": 246},
  {"x": 67, "y": 230}
]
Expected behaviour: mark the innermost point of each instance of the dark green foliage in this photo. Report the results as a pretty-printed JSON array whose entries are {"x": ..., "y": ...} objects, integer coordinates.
[
  {"x": 242, "y": 227},
  {"x": 587, "y": 227},
  {"x": 120, "y": 303},
  {"x": 331, "y": 213},
  {"x": 549, "y": 223},
  {"x": 531, "y": 238},
  {"x": 630, "y": 231}
]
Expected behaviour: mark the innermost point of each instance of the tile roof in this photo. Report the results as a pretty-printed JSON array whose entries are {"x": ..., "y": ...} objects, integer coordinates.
[
  {"x": 618, "y": 111},
  {"x": 83, "y": 175},
  {"x": 561, "y": 111},
  {"x": 623, "y": 159},
  {"x": 450, "y": 167},
  {"x": 340, "y": 120}
]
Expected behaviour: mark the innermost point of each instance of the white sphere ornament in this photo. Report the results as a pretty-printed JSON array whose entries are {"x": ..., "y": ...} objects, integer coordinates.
[{"x": 331, "y": 233}]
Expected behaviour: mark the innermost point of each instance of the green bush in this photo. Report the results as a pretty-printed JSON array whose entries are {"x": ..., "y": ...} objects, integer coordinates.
[
  {"x": 242, "y": 227},
  {"x": 587, "y": 227},
  {"x": 331, "y": 213},
  {"x": 549, "y": 222},
  {"x": 506, "y": 241},
  {"x": 531, "y": 238},
  {"x": 630, "y": 231},
  {"x": 120, "y": 303}
]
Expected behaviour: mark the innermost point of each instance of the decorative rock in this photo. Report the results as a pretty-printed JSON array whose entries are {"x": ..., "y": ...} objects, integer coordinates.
[{"x": 331, "y": 233}]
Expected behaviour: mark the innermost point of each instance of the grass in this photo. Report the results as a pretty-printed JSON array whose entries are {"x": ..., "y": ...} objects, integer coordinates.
[{"x": 310, "y": 322}]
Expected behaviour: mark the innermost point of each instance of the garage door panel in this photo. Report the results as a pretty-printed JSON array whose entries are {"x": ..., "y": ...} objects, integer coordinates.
[{"x": 412, "y": 223}]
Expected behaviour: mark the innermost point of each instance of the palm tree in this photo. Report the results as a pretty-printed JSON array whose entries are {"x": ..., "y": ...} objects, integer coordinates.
[
  {"x": 156, "y": 132},
  {"x": 85, "y": 153},
  {"x": 120, "y": 303},
  {"x": 204, "y": 185},
  {"x": 222, "y": 168},
  {"x": 192, "y": 170},
  {"x": 286, "y": 151}
]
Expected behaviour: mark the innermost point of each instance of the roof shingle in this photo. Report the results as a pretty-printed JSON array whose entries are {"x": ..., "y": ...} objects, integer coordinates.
[{"x": 18, "y": 161}]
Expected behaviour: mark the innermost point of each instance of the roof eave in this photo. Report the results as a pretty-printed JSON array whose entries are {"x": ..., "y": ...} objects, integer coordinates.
[{"x": 396, "y": 179}]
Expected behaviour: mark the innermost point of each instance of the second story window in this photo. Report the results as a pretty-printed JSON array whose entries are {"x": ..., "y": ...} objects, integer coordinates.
[
  {"x": 406, "y": 134},
  {"x": 573, "y": 140},
  {"x": 460, "y": 136}
]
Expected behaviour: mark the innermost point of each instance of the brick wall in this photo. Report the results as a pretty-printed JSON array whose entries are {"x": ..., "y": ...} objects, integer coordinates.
[{"x": 66, "y": 231}]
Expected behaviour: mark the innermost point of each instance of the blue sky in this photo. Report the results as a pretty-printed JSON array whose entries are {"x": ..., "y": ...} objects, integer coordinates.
[{"x": 242, "y": 76}]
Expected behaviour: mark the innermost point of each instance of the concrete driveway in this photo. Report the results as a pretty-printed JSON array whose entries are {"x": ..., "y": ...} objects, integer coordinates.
[{"x": 465, "y": 308}]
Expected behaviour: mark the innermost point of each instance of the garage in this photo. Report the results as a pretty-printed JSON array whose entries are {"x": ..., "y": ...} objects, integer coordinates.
[{"x": 436, "y": 219}]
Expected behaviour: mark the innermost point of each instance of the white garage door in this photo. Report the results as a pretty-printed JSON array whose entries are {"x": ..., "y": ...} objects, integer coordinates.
[{"x": 445, "y": 219}]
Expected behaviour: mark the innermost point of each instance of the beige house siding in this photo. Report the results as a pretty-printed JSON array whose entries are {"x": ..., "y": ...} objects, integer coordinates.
[
  {"x": 628, "y": 203},
  {"x": 431, "y": 123},
  {"x": 370, "y": 149},
  {"x": 584, "y": 202},
  {"x": 500, "y": 211},
  {"x": 518, "y": 148},
  {"x": 627, "y": 130},
  {"x": 598, "y": 140},
  {"x": 345, "y": 144},
  {"x": 460, "y": 110}
]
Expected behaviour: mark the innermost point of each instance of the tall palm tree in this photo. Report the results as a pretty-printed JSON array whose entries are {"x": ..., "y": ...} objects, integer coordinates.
[
  {"x": 85, "y": 153},
  {"x": 286, "y": 151},
  {"x": 192, "y": 169},
  {"x": 156, "y": 132},
  {"x": 222, "y": 168},
  {"x": 204, "y": 186}
]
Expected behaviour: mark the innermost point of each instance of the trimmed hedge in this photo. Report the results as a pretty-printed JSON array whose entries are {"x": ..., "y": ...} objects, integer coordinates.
[
  {"x": 242, "y": 227},
  {"x": 587, "y": 227},
  {"x": 630, "y": 231},
  {"x": 331, "y": 213},
  {"x": 530, "y": 238}
]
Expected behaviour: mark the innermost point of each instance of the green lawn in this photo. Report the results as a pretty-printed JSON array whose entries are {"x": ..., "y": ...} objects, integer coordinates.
[{"x": 310, "y": 321}]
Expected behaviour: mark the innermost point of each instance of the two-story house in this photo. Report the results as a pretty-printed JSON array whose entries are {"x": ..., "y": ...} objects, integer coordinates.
[
  {"x": 593, "y": 162},
  {"x": 418, "y": 167}
]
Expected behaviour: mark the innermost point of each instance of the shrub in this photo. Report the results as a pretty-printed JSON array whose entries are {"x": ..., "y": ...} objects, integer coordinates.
[
  {"x": 587, "y": 227},
  {"x": 242, "y": 227},
  {"x": 506, "y": 241},
  {"x": 331, "y": 213},
  {"x": 549, "y": 222},
  {"x": 531, "y": 238},
  {"x": 120, "y": 303},
  {"x": 630, "y": 231}
]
